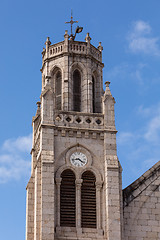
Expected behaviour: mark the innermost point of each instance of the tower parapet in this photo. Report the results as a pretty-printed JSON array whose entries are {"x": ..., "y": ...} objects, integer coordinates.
[{"x": 69, "y": 47}]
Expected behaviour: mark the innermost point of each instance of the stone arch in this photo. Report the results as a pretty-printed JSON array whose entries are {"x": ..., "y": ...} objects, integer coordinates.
[
  {"x": 62, "y": 169},
  {"x": 96, "y": 91},
  {"x": 81, "y": 148},
  {"x": 79, "y": 145},
  {"x": 95, "y": 172},
  {"x": 77, "y": 92},
  {"x": 82, "y": 70},
  {"x": 53, "y": 71},
  {"x": 78, "y": 172},
  {"x": 66, "y": 153},
  {"x": 63, "y": 154},
  {"x": 78, "y": 65},
  {"x": 56, "y": 83}
]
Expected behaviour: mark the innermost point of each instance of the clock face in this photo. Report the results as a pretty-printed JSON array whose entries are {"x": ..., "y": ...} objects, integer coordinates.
[{"x": 78, "y": 159}]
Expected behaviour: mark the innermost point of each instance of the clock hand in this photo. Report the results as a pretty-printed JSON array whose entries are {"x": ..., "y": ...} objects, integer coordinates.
[{"x": 79, "y": 160}]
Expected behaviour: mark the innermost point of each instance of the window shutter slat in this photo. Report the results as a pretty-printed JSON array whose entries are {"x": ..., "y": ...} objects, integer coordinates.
[
  {"x": 67, "y": 199},
  {"x": 88, "y": 200}
]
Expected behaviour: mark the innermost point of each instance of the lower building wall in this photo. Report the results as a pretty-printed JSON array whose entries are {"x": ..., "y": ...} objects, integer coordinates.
[{"x": 142, "y": 214}]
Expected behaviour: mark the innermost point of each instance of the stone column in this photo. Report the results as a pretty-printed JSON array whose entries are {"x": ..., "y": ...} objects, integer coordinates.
[
  {"x": 98, "y": 204},
  {"x": 47, "y": 43},
  {"x": 78, "y": 205},
  {"x": 87, "y": 88},
  {"x": 58, "y": 184},
  {"x": 100, "y": 48},
  {"x": 65, "y": 79}
]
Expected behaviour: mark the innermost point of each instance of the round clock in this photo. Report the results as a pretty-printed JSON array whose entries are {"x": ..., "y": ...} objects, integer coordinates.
[{"x": 78, "y": 159}]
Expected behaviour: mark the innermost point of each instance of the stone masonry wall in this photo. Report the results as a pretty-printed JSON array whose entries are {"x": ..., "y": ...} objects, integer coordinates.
[{"x": 142, "y": 214}]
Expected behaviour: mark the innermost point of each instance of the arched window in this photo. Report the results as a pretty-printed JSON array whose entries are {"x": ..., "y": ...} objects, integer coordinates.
[
  {"x": 76, "y": 91},
  {"x": 88, "y": 200},
  {"x": 58, "y": 89},
  {"x": 93, "y": 95},
  {"x": 68, "y": 199}
]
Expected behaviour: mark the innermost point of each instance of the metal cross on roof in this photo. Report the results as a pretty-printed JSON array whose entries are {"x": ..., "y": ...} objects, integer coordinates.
[{"x": 71, "y": 22}]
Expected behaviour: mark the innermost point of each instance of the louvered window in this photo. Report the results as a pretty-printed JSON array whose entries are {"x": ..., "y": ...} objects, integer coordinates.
[
  {"x": 58, "y": 83},
  {"x": 76, "y": 91},
  {"x": 88, "y": 200},
  {"x": 93, "y": 94},
  {"x": 67, "y": 199}
]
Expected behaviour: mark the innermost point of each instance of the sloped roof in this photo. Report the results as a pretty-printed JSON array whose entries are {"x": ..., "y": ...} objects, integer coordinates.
[{"x": 138, "y": 186}]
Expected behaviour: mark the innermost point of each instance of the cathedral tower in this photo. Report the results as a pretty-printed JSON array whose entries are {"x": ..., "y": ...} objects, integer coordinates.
[{"x": 75, "y": 187}]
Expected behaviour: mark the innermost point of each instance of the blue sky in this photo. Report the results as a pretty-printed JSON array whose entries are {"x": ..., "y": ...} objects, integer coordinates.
[{"x": 130, "y": 35}]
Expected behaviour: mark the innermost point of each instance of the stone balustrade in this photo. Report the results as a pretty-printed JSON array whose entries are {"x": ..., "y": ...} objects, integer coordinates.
[
  {"x": 73, "y": 47},
  {"x": 78, "y": 47},
  {"x": 56, "y": 49},
  {"x": 79, "y": 119},
  {"x": 95, "y": 52}
]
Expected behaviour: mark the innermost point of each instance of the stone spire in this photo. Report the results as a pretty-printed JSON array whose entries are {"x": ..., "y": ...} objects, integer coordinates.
[
  {"x": 38, "y": 108},
  {"x": 100, "y": 48},
  {"x": 108, "y": 107},
  {"x": 88, "y": 38},
  {"x": 107, "y": 91}
]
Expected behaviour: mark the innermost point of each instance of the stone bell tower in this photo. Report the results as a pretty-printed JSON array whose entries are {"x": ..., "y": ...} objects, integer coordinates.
[{"x": 75, "y": 187}]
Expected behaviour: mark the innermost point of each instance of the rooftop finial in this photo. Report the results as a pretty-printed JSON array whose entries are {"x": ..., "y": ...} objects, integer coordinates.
[
  {"x": 48, "y": 42},
  {"x": 100, "y": 48},
  {"x": 88, "y": 38},
  {"x": 107, "y": 91},
  {"x": 71, "y": 22},
  {"x": 78, "y": 29},
  {"x": 38, "y": 108}
]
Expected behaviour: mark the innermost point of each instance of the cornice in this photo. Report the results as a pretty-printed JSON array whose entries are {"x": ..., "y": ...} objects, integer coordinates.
[{"x": 104, "y": 130}]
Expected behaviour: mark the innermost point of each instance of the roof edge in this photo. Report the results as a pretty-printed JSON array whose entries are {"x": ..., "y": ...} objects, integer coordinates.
[{"x": 132, "y": 191}]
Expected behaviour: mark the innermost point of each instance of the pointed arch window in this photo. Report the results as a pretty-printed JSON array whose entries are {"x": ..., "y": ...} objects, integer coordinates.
[
  {"x": 76, "y": 91},
  {"x": 93, "y": 95},
  {"x": 68, "y": 199},
  {"x": 88, "y": 200},
  {"x": 58, "y": 89}
]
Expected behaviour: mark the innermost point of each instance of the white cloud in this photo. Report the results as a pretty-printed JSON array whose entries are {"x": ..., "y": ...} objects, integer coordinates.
[
  {"x": 145, "y": 112},
  {"x": 141, "y": 40},
  {"x": 153, "y": 130},
  {"x": 126, "y": 71},
  {"x": 22, "y": 144},
  {"x": 119, "y": 71},
  {"x": 141, "y": 146},
  {"x": 15, "y": 158},
  {"x": 149, "y": 112},
  {"x": 141, "y": 27},
  {"x": 125, "y": 138}
]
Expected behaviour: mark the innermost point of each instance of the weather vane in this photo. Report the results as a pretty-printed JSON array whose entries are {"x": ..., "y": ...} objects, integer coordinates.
[{"x": 78, "y": 29}]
